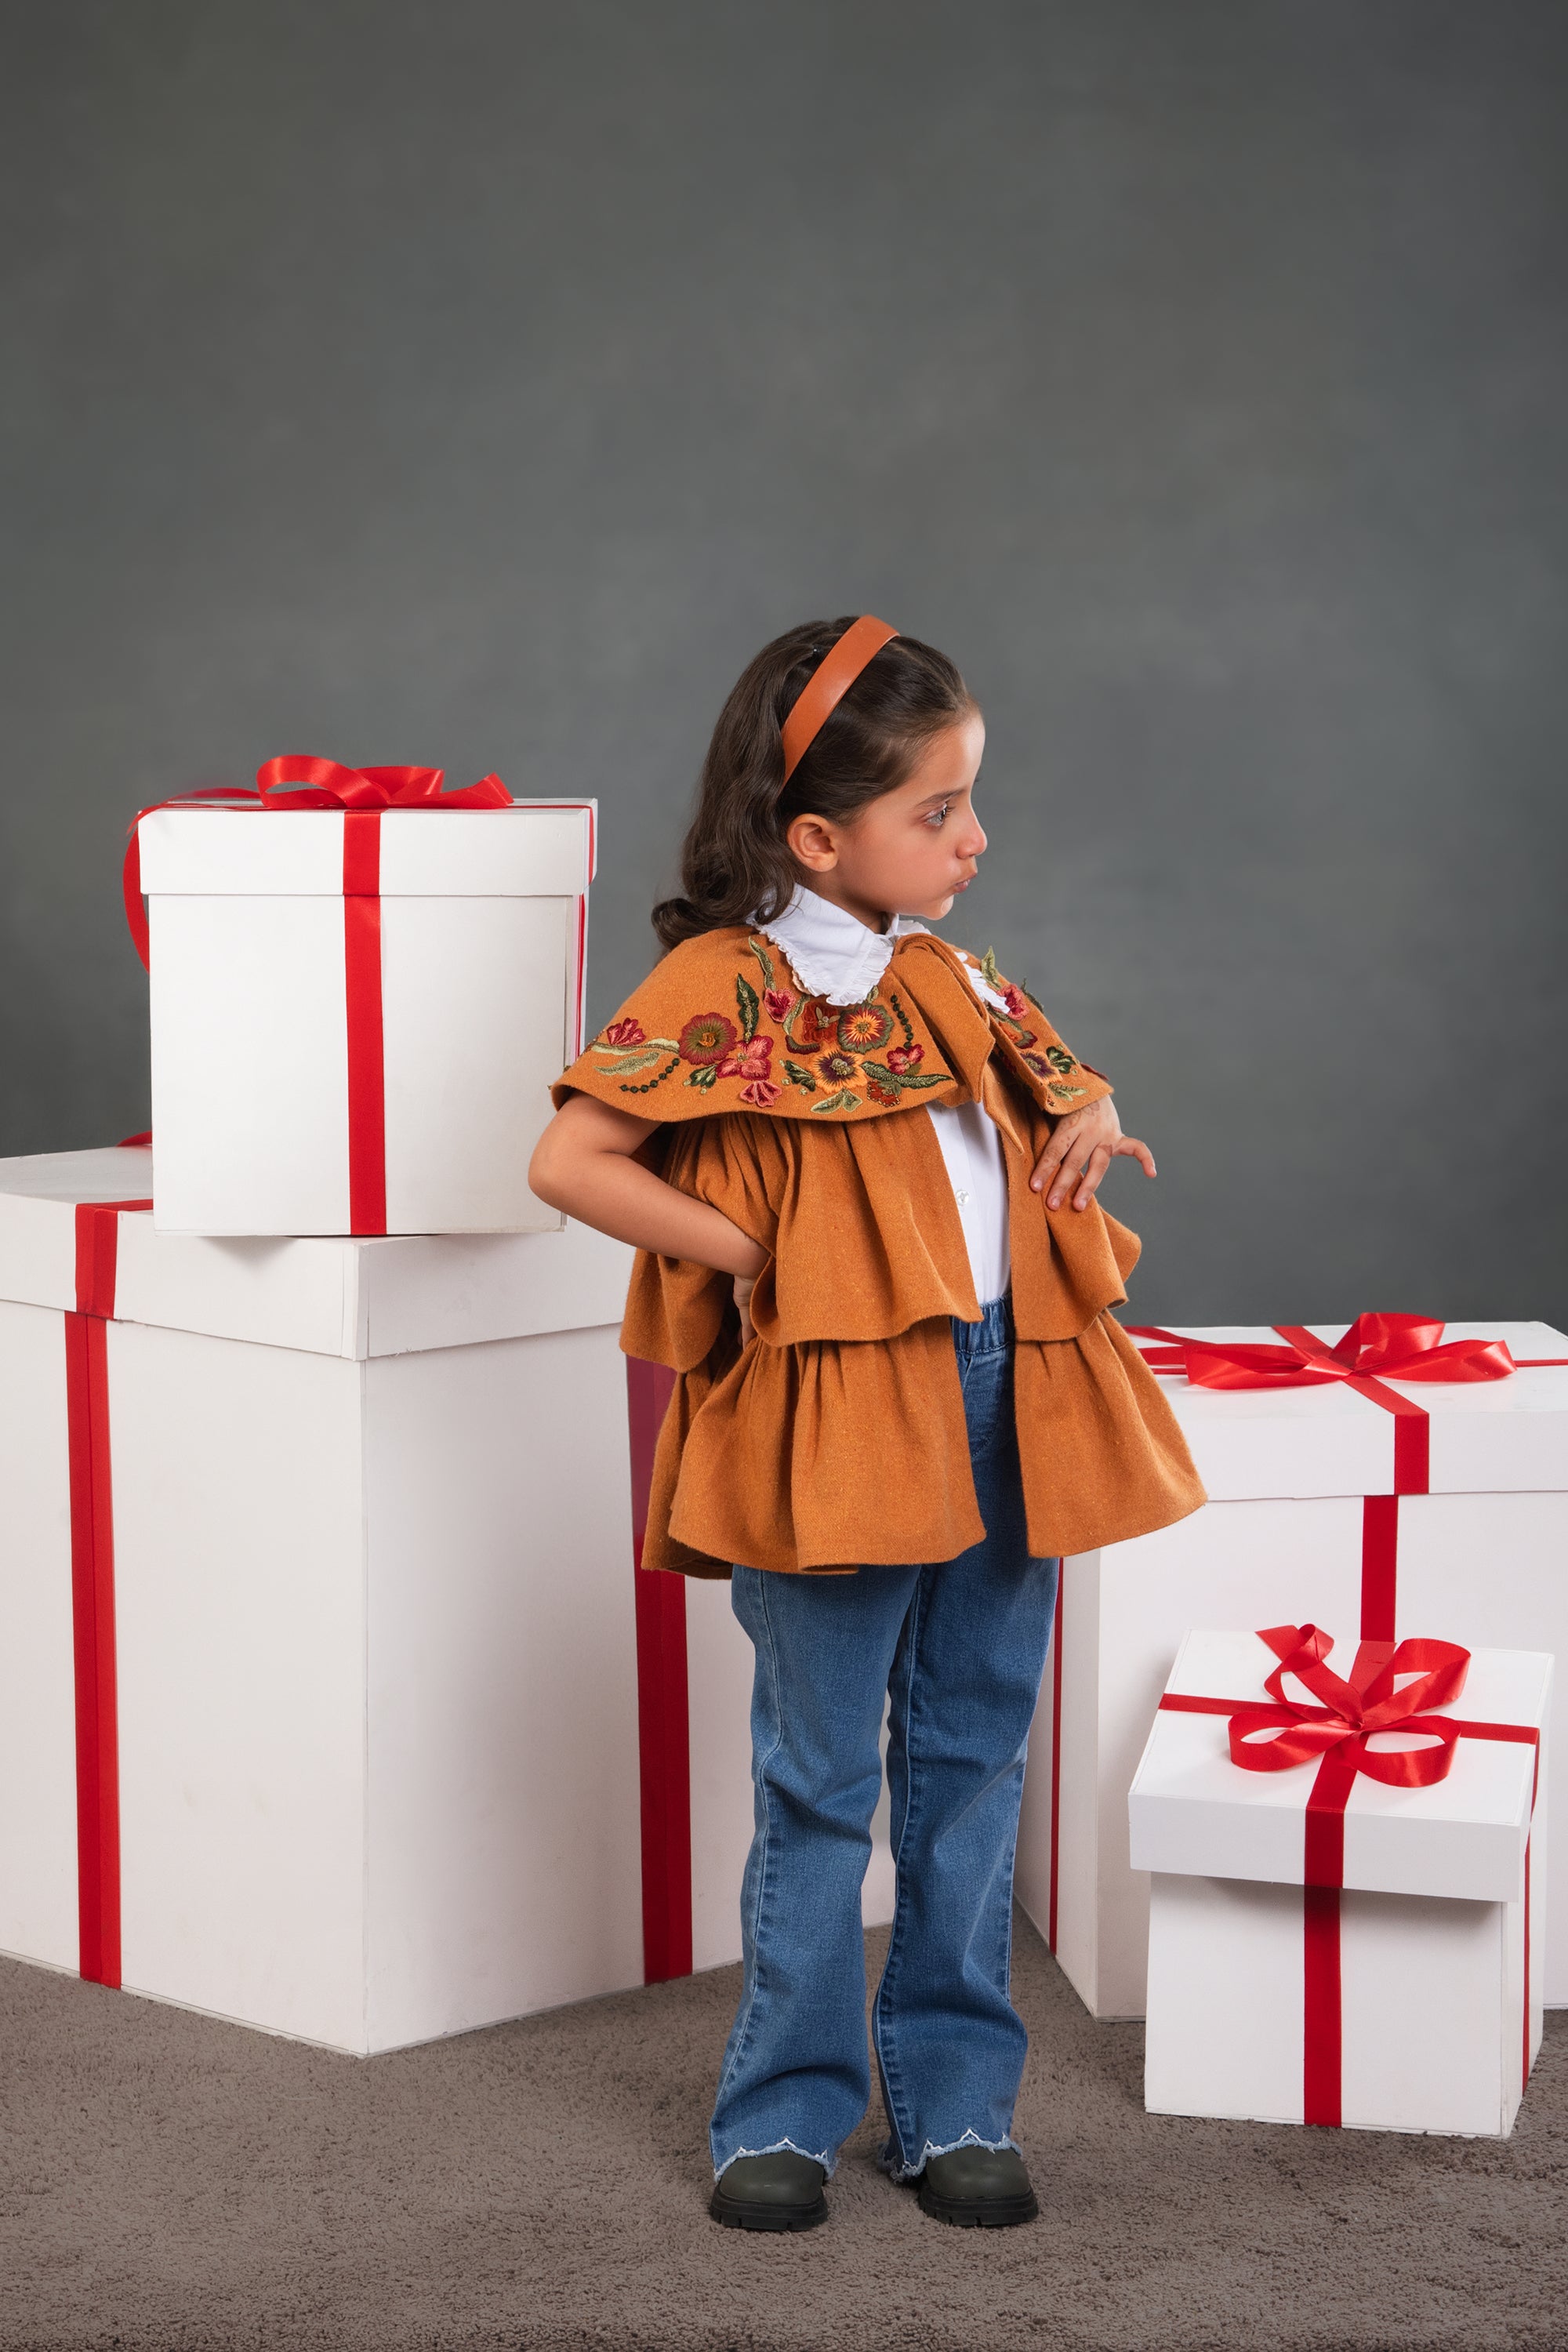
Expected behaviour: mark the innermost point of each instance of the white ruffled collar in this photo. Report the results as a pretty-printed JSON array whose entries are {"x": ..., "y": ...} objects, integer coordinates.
[
  {"x": 834, "y": 955},
  {"x": 831, "y": 952}
]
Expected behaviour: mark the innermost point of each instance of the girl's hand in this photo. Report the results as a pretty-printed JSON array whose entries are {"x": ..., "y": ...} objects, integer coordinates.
[
  {"x": 1083, "y": 1144},
  {"x": 743, "y": 1286}
]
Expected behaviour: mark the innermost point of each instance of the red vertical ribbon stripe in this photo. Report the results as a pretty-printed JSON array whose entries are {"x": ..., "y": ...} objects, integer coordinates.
[
  {"x": 664, "y": 1730},
  {"x": 92, "y": 1589},
  {"x": 366, "y": 1053}
]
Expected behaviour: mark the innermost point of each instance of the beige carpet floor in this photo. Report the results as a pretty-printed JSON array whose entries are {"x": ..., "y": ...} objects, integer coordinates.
[{"x": 172, "y": 2184}]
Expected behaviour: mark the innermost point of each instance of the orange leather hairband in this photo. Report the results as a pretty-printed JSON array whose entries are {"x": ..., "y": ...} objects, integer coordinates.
[{"x": 828, "y": 683}]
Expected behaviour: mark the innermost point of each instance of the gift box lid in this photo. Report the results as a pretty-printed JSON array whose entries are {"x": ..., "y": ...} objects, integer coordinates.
[
  {"x": 1501, "y": 1436},
  {"x": 536, "y": 848},
  {"x": 1192, "y": 1812},
  {"x": 357, "y": 1298}
]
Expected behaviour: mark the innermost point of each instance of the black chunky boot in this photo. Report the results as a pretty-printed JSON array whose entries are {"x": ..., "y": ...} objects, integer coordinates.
[
  {"x": 782, "y": 2191},
  {"x": 977, "y": 2189}
]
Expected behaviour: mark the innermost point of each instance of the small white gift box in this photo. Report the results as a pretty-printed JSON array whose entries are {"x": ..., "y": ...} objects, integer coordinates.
[
  {"x": 317, "y": 1687},
  {"x": 1335, "y": 1951},
  {"x": 357, "y": 1012},
  {"x": 1326, "y": 1502}
]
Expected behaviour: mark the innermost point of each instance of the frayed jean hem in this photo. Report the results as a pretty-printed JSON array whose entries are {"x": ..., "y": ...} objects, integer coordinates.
[
  {"x": 829, "y": 2162},
  {"x": 897, "y": 2171}
]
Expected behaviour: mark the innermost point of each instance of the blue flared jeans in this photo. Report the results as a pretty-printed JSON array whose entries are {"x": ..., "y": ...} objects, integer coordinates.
[{"x": 954, "y": 1650}]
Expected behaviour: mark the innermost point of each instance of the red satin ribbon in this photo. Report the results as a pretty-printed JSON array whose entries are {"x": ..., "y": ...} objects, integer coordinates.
[
  {"x": 92, "y": 1589},
  {"x": 664, "y": 1729},
  {"x": 1336, "y": 1732},
  {"x": 1400, "y": 1347}
]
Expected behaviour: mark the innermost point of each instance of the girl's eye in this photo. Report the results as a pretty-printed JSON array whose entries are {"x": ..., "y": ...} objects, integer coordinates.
[{"x": 936, "y": 815}]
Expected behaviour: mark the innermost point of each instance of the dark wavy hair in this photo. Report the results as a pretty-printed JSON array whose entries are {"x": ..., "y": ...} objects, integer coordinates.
[{"x": 734, "y": 860}]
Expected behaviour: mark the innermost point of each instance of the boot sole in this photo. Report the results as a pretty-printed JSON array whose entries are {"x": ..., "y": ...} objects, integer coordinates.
[
  {"x": 742, "y": 2213},
  {"x": 978, "y": 2213}
]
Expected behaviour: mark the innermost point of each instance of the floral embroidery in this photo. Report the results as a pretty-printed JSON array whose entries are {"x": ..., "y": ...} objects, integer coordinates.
[
  {"x": 894, "y": 1082},
  {"x": 707, "y": 1038},
  {"x": 751, "y": 1062},
  {"x": 624, "y": 1048},
  {"x": 847, "y": 1057},
  {"x": 863, "y": 1027},
  {"x": 809, "y": 1029}
]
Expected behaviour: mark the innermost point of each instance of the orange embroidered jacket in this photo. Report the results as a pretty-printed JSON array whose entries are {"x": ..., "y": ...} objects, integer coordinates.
[{"x": 835, "y": 1437}]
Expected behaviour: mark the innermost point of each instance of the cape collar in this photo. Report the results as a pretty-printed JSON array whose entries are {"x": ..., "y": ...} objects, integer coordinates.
[{"x": 834, "y": 955}]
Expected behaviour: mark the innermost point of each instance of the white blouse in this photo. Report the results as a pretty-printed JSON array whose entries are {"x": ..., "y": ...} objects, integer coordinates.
[{"x": 834, "y": 955}]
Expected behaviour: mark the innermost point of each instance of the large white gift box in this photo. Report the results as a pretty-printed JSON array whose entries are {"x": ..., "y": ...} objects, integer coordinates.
[
  {"x": 1327, "y": 1502},
  {"x": 357, "y": 1012},
  {"x": 1408, "y": 2001},
  {"x": 695, "y": 1666},
  {"x": 318, "y": 1679}
]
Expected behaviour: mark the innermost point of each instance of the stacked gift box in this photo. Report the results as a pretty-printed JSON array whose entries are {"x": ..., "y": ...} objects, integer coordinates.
[
  {"x": 318, "y": 1682},
  {"x": 1393, "y": 1480}
]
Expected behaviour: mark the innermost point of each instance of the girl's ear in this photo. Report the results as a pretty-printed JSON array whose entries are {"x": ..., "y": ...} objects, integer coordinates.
[{"x": 811, "y": 843}]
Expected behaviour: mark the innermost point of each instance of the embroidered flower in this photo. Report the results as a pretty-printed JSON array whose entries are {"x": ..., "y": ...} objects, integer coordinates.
[
  {"x": 810, "y": 1028},
  {"x": 1025, "y": 1037},
  {"x": 707, "y": 1037},
  {"x": 625, "y": 1032},
  {"x": 904, "y": 1057},
  {"x": 880, "y": 1093},
  {"x": 863, "y": 1027},
  {"x": 778, "y": 1001},
  {"x": 1038, "y": 1064},
  {"x": 763, "y": 1092},
  {"x": 1015, "y": 1000},
  {"x": 836, "y": 1066},
  {"x": 748, "y": 1061}
]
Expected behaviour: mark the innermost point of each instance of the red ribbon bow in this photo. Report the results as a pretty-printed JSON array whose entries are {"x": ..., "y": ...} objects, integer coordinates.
[
  {"x": 1399, "y": 1347},
  {"x": 329, "y": 784},
  {"x": 1352, "y": 1713}
]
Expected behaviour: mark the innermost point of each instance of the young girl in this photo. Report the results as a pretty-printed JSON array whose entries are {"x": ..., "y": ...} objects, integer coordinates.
[{"x": 860, "y": 1167}]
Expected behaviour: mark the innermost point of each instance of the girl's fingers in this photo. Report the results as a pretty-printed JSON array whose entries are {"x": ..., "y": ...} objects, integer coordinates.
[
  {"x": 1098, "y": 1161},
  {"x": 1052, "y": 1157},
  {"x": 1133, "y": 1149}
]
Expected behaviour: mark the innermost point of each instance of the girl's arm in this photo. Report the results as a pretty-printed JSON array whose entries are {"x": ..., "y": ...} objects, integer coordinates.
[{"x": 582, "y": 1164}]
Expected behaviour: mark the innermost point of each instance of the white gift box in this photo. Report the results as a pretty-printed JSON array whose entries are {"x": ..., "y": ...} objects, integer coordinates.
[
  {"x": 1410, "y": 2001},
  {"x": 696, "y": 1744},
  {"x": 317, "y": 1654},
  {"x": 1482, "y": 1558},
  {"x": 357, "y": 1016}
]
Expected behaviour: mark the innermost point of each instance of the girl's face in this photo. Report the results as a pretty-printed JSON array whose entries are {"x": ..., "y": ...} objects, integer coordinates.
[{"x": 911, "y": 851}]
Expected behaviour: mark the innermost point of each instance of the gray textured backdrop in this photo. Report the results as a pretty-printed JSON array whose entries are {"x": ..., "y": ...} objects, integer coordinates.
[{"x": 482, "y": 383}]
